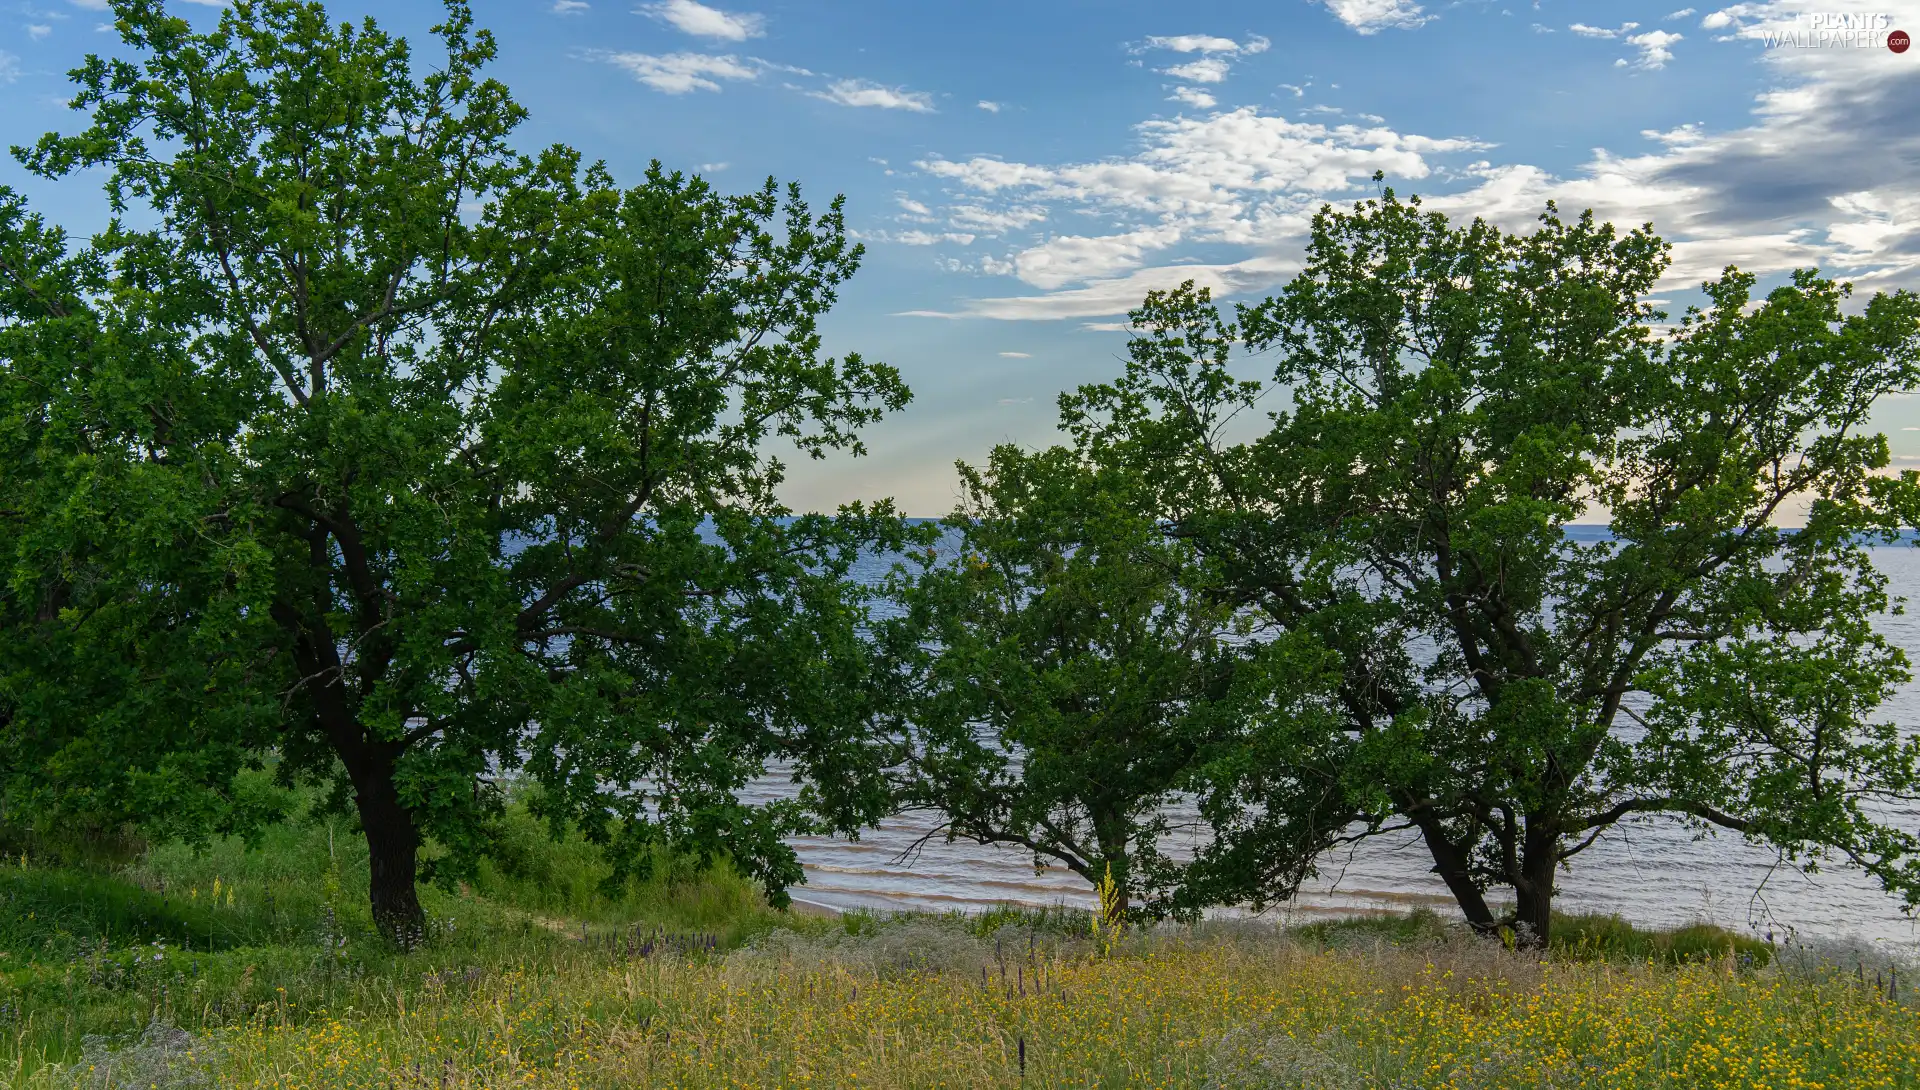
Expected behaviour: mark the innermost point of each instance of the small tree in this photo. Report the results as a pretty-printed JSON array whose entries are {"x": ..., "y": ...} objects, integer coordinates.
[
  {"x": 463, "y": 452},
  {"x": 1458, "y": 395},
  {"x": 1072, "y": 678}
]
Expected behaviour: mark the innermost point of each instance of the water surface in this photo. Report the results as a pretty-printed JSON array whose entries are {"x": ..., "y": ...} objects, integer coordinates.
[{"x": 1650, "y": 870}]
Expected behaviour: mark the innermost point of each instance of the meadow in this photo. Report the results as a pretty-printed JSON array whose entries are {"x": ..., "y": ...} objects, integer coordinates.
[{"x": 238, "y": 966}]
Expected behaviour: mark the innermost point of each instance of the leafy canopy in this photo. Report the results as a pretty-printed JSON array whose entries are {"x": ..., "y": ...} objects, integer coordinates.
[
  {"x": 1453, "y": 397},
  {"x": 455, "y": 461},
  {"x": 1073, "y": 673}
]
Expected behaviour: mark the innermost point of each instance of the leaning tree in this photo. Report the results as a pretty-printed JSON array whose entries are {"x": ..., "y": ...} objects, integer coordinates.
[
  {"x": 1448, "y": 399},
  {"x": 461, "y": 460}
]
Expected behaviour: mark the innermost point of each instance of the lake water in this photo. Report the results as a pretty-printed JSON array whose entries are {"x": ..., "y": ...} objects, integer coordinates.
[{"x": 1648, "y": 870}]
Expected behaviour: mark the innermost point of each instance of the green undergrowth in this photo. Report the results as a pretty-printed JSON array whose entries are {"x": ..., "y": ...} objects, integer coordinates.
[
  {"x": 202, "y": 937},
  {"x": 1582, "y": 937}
]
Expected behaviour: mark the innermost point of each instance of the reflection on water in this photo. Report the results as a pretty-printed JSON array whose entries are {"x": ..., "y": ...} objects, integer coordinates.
[{"x": 1649, "y": 870}]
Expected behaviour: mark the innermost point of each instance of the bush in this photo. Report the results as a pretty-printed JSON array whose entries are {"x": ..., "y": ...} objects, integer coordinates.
[{"x": 1612, "y": 938}]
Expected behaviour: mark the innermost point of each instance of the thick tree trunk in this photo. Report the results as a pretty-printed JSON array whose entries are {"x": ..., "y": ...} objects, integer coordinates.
[
  {"x": 1450, "y": 863},
  {"x": 1533, "y": 888},
  {"x": 393, "y": 849}
]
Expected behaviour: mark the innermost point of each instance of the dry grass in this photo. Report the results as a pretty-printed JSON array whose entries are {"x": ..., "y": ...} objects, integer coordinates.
[{"x": 932, "y": 1004}]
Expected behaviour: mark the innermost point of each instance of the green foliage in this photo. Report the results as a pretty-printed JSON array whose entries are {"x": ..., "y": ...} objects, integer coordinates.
[
  {"x": 1402, "y": 928},
  {"x": 92, "y": 952},
  {"x": 1457, "y": 396},
  {"x": 1584, "y": 937},
  {"x": 572, "y": 878},
  {"x": 418, "y": 461},
  {"x": 1058, "y": 921},
  {"x": 1071, "y": 671},
  {"x": 1592, "y": 937}
]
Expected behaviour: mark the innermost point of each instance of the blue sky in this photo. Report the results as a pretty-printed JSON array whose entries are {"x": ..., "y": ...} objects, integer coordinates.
[{"x": 1023, "y": 172}]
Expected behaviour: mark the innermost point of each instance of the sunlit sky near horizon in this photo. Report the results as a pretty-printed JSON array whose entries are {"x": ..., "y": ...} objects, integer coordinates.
[{"x": 1022, "y": 173}]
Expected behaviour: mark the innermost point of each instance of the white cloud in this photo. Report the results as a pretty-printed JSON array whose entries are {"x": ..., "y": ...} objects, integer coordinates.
[
  {"x": 1373, "y": 16},
  {"x": 91, "y": 5},
  {"x": 1115, "y": 296},
  {"x": 1207, "y": 43},
  {"x": 1738, "y": 13},
  {"x": 1298, "y": 91},
  {"x": 1655, "y": 49},
  {"x": 37, "y": 31},
  {"x": 713, "y": 168},
  {"x": 930, "y": 238},
  {"x": 9, "y": 67},
  {"x": 693, "y": 17},
  {"x": 1193, "y": 43},
  {"x": 1237, "y": 178},
  {"x": 1788, "y": 188},
  {"x": 995, "y": 222},
  {"x": 859, "y": 92},
  {"x": 913, "y": 206},
  {"x": 1016, "y": 355},
  {"x": 1211, "y": 67},
  {"x": 1194, "y": 96},
  {"x": 1791, "y": 189},
  {"x": 680, "y": 73},
  {"x": 990, "y": 107},
  {"x": 1202, "y": 168},
  {"x": 1204, "y": 70},
  {"x": 1073, "y": 259},
  {"x": 1681, "y": 14},
  {"x": 915, "y": 237},
  {"x": 570, "y": 7},
  {"x": 1654, "y": 45}
]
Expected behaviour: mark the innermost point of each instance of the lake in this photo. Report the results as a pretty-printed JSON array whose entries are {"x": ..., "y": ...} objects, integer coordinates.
[{"x": 1649, "y": 870}]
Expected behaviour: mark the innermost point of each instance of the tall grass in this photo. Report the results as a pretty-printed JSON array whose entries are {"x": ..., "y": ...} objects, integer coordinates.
[
  {"x": 202, "y": 939},
  {"x": 924, "y": 1004},
  {"x": 533, "y": 976}
]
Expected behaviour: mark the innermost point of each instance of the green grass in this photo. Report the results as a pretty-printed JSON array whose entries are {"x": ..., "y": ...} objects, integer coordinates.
[
  {"x": 1585, "y": 937},
  {"x": 1594, "y": 937},
  {"x": 107, "y": 950},
  {"x": 533, "y": 975}
]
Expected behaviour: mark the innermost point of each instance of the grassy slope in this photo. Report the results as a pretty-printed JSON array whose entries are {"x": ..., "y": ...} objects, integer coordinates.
[{"x": 688, "y": 979}]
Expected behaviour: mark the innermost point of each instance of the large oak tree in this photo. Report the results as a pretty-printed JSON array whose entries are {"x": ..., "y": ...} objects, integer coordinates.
[
  {"x": 458, "y": 460},
  {"x": 1448, "y": 398}
]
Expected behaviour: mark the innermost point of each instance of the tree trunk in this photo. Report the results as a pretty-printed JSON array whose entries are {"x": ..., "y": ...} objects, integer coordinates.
[
  {"x": 393, "y": 849},
  {"x": 1110, "y": 829},
  {"x": 1450, "y": 863},
  {"x": 1533, "y": 889}
]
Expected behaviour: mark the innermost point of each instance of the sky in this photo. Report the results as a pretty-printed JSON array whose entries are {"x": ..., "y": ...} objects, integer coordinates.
[{"x": 1023, "y": 173}]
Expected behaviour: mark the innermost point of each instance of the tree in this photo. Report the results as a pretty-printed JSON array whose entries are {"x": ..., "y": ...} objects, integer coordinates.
[
  {"x": 1458, "y": 395},
  {"x": 94, "y": 648},
  {"x": 1072, "y": 676},
  {"x": 478, "y": 447}
]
